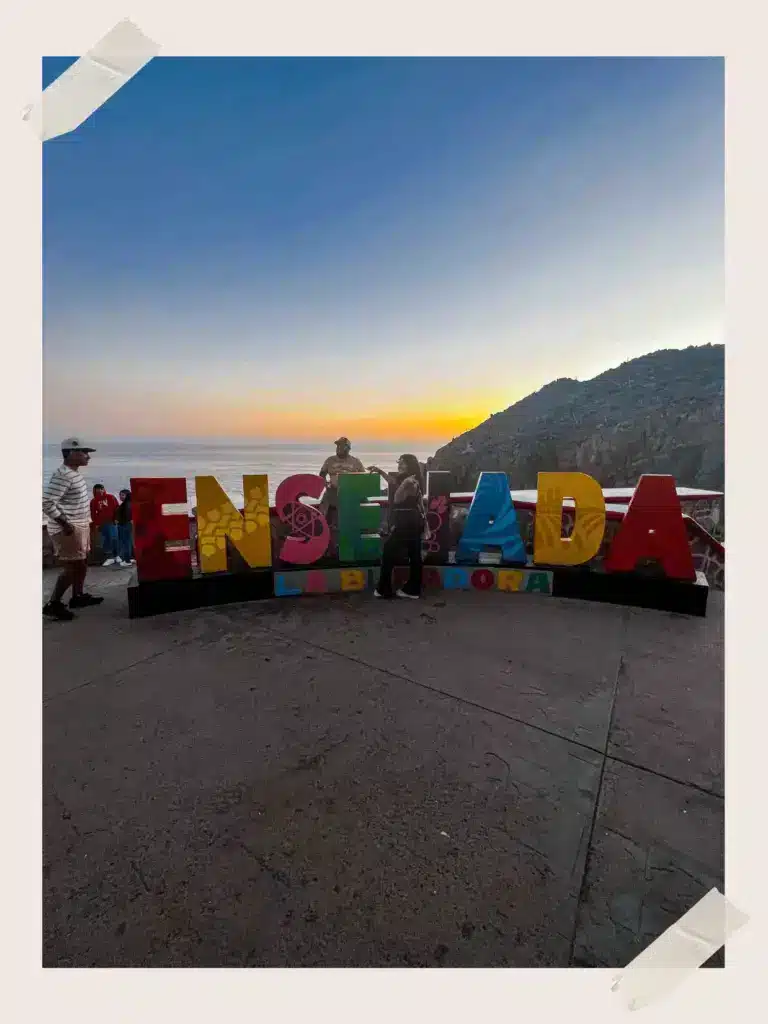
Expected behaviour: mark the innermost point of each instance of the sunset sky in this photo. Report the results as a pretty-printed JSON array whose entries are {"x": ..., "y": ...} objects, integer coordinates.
[{"x": 391, "y": 248}]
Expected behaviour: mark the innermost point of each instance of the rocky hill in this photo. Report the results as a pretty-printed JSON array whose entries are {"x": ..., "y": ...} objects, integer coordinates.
[{"x": 661, "y": 413}]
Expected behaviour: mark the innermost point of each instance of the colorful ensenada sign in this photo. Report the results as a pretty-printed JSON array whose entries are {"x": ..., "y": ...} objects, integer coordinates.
[{"x": 293, "y": 550}]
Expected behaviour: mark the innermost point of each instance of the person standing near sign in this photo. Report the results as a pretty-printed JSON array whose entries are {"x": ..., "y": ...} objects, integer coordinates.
[
  {"x": 330, "y": 471},
  {"x": 66, "y": 506},
  {"x": 406, "y": 523},
  {"x": 124, "y": 523},
  {"x": 103, "y": 508}
]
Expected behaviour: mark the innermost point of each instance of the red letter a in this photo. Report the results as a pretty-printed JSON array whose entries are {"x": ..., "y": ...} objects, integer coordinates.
[{"x": 653, "y": 528}]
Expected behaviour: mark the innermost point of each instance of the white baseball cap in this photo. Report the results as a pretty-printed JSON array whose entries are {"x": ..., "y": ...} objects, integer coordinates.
[{"x": 73, "y": 444}]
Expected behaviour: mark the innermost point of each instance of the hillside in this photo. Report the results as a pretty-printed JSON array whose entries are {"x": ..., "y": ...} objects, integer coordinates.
[{"x": 661, "y": 413}]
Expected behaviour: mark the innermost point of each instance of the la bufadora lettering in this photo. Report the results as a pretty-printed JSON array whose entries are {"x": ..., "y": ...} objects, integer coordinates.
[
  {"x": 653, "y": 530},
  {"x": 448, "y": 577}
]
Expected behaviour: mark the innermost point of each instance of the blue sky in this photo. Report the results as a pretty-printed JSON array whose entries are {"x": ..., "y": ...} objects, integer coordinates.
[{"x": 291, "y": 248}]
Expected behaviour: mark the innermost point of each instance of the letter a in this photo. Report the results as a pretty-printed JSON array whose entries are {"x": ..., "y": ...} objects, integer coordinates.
[
  {"x": 492, "y": 522},
  {"x": 653, "y": 528}
]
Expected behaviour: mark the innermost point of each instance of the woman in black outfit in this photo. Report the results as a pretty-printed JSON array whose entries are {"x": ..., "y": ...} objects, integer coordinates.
[
  {"x": 405, "y": 526},
  {"x": 124, "y": 520}
]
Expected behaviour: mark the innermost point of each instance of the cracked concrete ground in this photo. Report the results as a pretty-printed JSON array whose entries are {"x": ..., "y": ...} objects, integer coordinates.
[{"x": 476, "y": 780}]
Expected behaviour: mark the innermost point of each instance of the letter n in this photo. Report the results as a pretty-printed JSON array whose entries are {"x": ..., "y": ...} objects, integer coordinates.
[{"x": 218, "y": 521}]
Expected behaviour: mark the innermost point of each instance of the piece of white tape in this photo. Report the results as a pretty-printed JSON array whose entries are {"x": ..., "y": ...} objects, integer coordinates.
[
  {"x": 679, "y": 951},
  {"x": 91, "y": 81}
]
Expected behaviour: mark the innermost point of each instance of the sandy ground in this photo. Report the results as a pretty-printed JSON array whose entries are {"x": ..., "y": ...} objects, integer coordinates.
[{"x": 475, "y": 780}]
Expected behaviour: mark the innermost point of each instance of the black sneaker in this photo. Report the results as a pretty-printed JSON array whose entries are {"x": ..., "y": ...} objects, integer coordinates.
[
  {"x": 85, "y": 601},
  {"x": 56, "y": 610}
]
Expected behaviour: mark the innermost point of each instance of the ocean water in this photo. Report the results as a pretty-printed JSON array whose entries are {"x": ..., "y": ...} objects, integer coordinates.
[{"x": 115, "y": 462}]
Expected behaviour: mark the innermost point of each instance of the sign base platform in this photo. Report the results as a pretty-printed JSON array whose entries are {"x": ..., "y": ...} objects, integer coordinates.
[
  {"x": 634, "y": 590},
  {"x": 199, "y": 591},
  {"x": 630, "y": 589}
]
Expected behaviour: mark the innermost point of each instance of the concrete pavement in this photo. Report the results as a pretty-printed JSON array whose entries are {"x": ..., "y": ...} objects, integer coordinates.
[{"x": 477, "y": 780}]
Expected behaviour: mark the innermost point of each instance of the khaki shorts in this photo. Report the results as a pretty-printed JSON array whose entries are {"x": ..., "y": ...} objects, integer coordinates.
[{"x": 73, "y": 547}]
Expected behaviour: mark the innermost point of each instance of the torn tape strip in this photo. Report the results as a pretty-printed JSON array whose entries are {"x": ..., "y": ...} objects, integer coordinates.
[
  {"x": 679, "y": 951},
  {"x": 91, "y": 81}
]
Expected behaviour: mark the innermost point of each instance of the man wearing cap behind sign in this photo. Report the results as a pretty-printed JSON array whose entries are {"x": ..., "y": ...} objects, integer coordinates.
[
  {"x": 330, "y": 471},
  {"x": 67, "y": 507}
]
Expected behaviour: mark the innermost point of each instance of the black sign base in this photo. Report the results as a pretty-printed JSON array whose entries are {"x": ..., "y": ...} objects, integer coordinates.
[
  {"x": 633, "y": 589},
  {"x": 199, "y": 591}
]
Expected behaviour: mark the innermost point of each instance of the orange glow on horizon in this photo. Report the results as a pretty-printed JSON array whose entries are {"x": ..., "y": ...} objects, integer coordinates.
[
  {"x": 373, "y": 428},
  {"x": 315, "y": 418},
  {"x": 313, "y": 425}
]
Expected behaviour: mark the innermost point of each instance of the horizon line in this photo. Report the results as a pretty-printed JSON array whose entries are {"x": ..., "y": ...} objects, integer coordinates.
[{"x": 240, "y": 439}]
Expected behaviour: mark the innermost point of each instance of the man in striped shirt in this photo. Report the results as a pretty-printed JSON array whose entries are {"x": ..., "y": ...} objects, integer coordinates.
[{"x": 67, "y": 508}]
